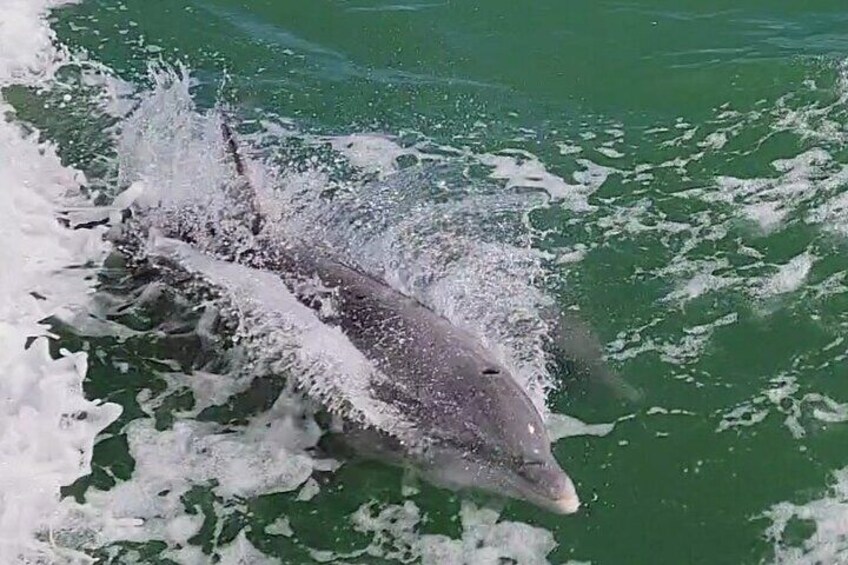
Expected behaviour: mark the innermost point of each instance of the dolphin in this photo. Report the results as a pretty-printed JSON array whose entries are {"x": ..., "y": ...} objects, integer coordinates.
[{"x": 478, "y": 427}]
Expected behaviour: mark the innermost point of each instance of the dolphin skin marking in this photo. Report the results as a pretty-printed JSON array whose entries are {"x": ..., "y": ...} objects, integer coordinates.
[{"x": 479, "y": 429}]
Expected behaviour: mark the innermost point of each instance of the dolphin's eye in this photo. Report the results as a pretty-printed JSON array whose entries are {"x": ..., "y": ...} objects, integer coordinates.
[{"x": 491, "y": 371}]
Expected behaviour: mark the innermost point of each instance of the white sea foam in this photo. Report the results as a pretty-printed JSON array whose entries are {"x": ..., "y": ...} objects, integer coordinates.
[
  {"x": 783, "y": 396},
  {"x": 768, "y": 201},
  {"x": 828, "y": 516},
  {"x": 683, "y": 351},
  {"x": 821, "y": 122},
  {"x": 485, "y": 539},
  {"x": 522, "y": 169},
  {"x": 241, "y": 552},
  {"x": 610, "y": 152},
  {"x": 264, "y": 457},
  {"x": 789, "y": 276},
  {"x": 704, "y": 280},
  {"x": 374, "y": 153},
  {"x": 47, "y": 427},
  {"x": 27, "y": 49}
]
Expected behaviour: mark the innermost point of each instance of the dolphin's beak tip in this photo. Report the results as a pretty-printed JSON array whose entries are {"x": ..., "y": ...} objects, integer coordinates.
[{"x": 568, "y": 504}]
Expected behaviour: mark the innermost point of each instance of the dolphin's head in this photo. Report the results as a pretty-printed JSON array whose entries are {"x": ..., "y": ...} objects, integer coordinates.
[
  {"x": 546, "y": 484},
  {"x": 539, "y": 480},
  {"x": 503, "y": 447}
]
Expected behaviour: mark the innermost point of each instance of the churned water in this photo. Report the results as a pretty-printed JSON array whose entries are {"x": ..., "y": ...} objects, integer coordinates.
[{"x": 673, "y": 174}]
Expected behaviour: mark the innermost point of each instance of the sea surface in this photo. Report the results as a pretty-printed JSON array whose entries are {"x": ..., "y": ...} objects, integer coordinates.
[{"x": 675, "y": 174}]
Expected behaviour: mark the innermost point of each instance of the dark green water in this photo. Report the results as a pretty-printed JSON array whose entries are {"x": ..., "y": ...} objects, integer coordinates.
[{"x": 710, "y": 259}]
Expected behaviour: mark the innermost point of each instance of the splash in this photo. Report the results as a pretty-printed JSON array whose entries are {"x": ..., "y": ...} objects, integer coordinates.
[
  {"x": 47, "y": 426},
  {"x": 29, "y": 52},
  {"x": 426, "y": 229},
  {"x": 324, "y": 362}
]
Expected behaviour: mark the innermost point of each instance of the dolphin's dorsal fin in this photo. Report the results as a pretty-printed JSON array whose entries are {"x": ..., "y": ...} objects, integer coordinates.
[
  {"x": 232, "y": 146},
  {"x": 576, "y": 342},
  {"x": 246, "y": 193}
]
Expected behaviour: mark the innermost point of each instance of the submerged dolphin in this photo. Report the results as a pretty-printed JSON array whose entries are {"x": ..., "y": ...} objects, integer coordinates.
[{"x": 478, "y": 427}]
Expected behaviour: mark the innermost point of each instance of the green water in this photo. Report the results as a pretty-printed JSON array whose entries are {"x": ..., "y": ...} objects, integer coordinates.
[{"x": 656, "y": 82}]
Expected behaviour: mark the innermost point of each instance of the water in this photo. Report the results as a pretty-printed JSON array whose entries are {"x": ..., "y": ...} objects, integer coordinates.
[{"x": 675, "y": 173}]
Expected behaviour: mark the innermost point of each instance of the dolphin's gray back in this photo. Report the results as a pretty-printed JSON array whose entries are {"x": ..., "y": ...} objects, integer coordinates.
[{"x": 447, "y": 384}]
